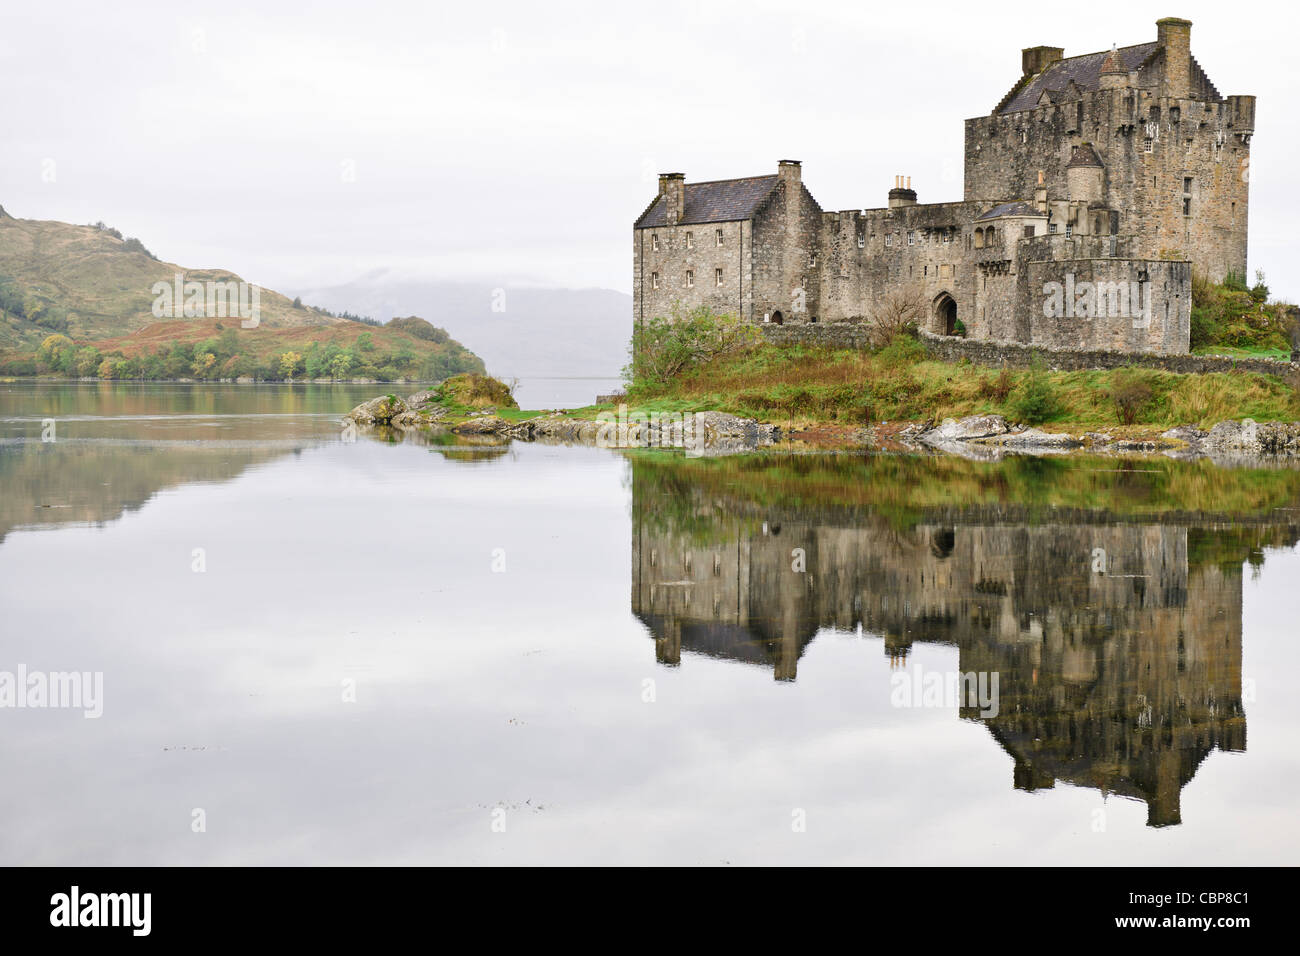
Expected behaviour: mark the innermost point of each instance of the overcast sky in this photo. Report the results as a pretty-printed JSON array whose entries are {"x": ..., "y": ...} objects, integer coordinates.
[{"x": 516, "y": 142}]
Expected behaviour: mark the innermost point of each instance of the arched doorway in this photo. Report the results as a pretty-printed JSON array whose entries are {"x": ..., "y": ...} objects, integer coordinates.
[
  {"x": 777, "y": 318},
  {"x": 945, "y": 313}
]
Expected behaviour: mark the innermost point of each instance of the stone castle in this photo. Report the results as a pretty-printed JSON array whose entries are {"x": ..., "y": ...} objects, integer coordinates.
[{"x": 1091, "y": 193}]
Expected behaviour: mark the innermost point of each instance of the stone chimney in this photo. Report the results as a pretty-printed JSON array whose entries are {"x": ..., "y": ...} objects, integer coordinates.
[
  {"x": 1040, "y": 193},
  {"x": 672, "y": 186},
  {"x": 1035, "y": 59},
  {"x": 902, "y": 194},
  {"x": 1175, "y": 36},
  {"x": 788, "y": 171}
]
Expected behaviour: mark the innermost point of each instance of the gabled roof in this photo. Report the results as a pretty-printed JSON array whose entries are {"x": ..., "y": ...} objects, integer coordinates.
[
  {"x": 1084, "y": 70},
  {"x": 724, "y": 200},
  {"x": 1017, "y": 208}
]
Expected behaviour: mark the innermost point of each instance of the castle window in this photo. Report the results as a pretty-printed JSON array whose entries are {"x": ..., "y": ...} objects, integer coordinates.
[
  {"x": 979, "y": 238},
  {"x": 690, "y": 278},
  {"x": 889, "y": 239},
  {"x": 862, "y": 242},
  {"x": 812, "y": 259},
  {"x": 1187, "y": 195},
  {"x": 654, "y": 280},
  {"x": 911, "y": 237},
  {"x": 654, "y": 242},
  {"x": 690, "y": 241},
  {"x": 1069, "y": 230},
  {"x": 947, "y": 237},
  {"x": 1175, "y": 114},
  {"x": 719, "y": 237},
  {"x": 1051, "y": 227},
  {"x": 717, "y": 277},
  {"x": 1149, "y": 146}
]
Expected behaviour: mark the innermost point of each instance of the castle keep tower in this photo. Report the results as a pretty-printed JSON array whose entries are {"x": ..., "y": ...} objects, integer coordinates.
[{"x": 1109, "y": 176}]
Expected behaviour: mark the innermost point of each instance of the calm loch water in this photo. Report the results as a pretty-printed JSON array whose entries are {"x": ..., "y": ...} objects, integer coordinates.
[{"x": 315, "y": 650}]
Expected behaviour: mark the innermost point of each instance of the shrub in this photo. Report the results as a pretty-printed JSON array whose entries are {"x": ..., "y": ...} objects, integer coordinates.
[
  {"x": 998, "y": 388},
  {"x": 477, "y": 391},
  {"x": 131, "y": 244},
  {"x": 666, "y": 346},
  {"x": 1037, "y": 402},
  {"x": 1131, "y": 396},
  {"x": 1259, "y": 291}
]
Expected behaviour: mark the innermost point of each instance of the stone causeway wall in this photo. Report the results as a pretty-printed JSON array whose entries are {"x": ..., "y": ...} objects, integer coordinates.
[{"x": 995, "y": 354}]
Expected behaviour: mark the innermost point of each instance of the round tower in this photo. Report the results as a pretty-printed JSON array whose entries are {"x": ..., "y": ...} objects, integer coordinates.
[
  {"x": 1083, "y": 174},
  {"x": 1113, "y": 76}
]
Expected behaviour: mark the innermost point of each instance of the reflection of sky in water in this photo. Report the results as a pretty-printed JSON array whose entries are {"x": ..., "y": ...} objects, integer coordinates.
[{"x": 523, "y": 689}]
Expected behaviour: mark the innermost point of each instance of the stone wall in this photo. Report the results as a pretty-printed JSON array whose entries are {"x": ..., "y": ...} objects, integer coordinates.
[
  {"x": 994, "y": 354},
  {"x": 1206, "y": 143},
  {"x": 786, "y": 231},
  {"x": 1015, "y": 355},
  {"x": 1107, "y": 305},
  {"x": 671, "y": 252}
]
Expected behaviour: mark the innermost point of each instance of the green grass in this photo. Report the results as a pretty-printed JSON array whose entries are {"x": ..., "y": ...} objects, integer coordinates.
[
  {"x": 1232, "y": 351},
  {"x": 801, "y": 384}
]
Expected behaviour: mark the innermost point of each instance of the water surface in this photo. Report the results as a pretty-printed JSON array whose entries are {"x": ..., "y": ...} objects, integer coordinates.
[{"x": 389, "y": 649}]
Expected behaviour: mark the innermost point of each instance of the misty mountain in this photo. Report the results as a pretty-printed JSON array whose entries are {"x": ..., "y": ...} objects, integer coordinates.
[{"x": 533, "y": 332}]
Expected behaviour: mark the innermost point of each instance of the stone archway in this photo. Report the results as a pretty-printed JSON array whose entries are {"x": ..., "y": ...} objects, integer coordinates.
[
  {"x": 777, "y": 318},
  {"x": 945, "y": 314}
]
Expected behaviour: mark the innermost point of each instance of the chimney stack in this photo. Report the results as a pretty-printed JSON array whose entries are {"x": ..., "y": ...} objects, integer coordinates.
[
  {"x": 1040, "y": 193},
  {"x": 788, "y": 170},
  {"x": 672, "y": 186},
  {"x": 1175, "y": 36},
  {"x": 902, "y": 194},
  {"x": 1035, "y": 59}
]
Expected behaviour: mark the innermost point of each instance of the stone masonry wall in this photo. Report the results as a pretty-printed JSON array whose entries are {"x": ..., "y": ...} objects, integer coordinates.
[
  {"x": 693, "y": 248},
  {"x": 1206, "y": 143},
  {"x": 995, "y": 354}
]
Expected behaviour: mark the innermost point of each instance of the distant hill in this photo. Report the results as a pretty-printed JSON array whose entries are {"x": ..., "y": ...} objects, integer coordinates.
[
  {"x": 541, "y": 332},
  {"x": 93, "y": 289},
  {"x": 90, "y": 283}
]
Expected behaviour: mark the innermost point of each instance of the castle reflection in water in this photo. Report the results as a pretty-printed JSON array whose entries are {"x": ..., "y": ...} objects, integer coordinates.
[{"x": 1117, "y": 637}]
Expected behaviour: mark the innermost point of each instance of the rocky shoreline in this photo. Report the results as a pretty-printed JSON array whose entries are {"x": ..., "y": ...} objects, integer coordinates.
[{"x": 982, "y": 437}]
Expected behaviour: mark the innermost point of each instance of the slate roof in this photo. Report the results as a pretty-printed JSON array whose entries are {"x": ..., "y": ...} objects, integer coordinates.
[
  {"x": 1083, "y": 70},
  {"x": 724, "y": 200},
  {"x": 1017, "y": 208},
  {"x": 1084, "y": 155}
]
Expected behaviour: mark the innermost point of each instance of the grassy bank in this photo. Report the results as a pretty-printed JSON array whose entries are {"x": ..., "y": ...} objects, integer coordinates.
[{"x": 795, "y": 384}]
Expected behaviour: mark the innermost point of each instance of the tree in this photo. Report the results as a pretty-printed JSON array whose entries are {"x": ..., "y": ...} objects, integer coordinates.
[
  {"x": 289, "y": 364},
  {"x": 203, "y": 364},
  {"x": 900, "y": 312},
  {"x": 52, "y": 349},
  {"x": 341, "y": 365}
]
